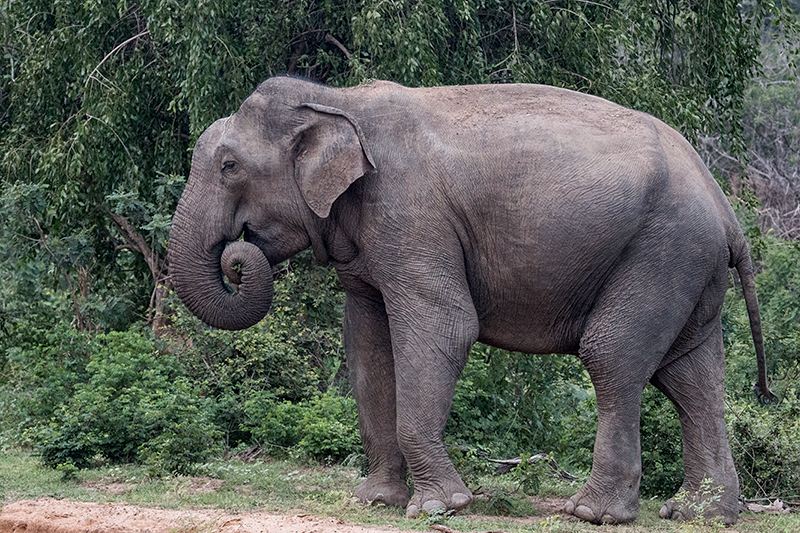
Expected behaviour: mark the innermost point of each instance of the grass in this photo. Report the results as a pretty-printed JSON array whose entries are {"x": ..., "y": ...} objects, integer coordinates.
[{"x": 289, "y": 487}]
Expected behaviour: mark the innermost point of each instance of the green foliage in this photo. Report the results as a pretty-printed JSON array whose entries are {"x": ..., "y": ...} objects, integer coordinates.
[
  {"x": 329, "y": 429},
  {"x": 440, "y": 517},
  {"x": 68, "y": 471},
  {"x": 273, "y": 424},
  {"x": 510, "y": 403},
  {"x": 766, "y": 446},
  {"x": 43, "y": 364},
  {"x": 662, "y": 447},
  {"x": 528, "y": 474},
  {"x": 132, "y": 407},
  {"x": 324, "y": 428},
  {"x": 578, "y": 430}
]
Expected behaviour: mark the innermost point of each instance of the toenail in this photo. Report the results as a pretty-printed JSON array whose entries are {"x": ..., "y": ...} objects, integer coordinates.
[
  {"x": 459, "y": 500},
  {"x": 608, "y": 519},
  {"x": 433, "y": 505},
  {"x": 584, "y": 513}
]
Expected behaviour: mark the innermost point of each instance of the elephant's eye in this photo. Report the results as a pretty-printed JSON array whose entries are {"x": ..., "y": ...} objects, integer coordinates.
[{"x": 228, "y": 167}]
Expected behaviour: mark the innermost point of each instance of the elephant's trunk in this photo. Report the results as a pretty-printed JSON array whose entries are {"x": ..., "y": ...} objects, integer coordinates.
[{"x": 197, "y": 269}]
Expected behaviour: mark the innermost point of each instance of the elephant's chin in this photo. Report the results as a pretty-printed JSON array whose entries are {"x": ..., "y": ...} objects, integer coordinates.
[{"x": 211, "y": 300}]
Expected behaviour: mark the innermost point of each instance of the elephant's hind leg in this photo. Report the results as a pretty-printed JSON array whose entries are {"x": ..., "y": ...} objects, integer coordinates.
[
  {"x": 695, "y": 384},
  {"x": 618, "y": 367},
  {"x": 631, "y": 327},
  {"x": 611, "y": 495}
]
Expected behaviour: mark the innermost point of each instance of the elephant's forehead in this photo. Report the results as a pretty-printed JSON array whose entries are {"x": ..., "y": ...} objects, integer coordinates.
[
  {"x": 212, "y": 134},
  {"x": 244, "y": 139}
]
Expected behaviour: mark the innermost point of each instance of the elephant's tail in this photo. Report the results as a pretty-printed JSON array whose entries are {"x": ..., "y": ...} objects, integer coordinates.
[{"x": 740, "y": 259}]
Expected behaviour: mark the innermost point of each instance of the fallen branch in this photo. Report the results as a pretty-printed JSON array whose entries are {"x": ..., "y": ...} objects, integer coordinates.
[
  {"x": 505, "y": 466},
  {"x": 445, "y": 529},
  {"x": 776, "y": 507}
]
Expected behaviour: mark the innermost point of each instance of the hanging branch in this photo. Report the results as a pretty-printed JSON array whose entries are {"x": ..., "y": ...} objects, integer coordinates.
[{"x": 135, "y": 241}]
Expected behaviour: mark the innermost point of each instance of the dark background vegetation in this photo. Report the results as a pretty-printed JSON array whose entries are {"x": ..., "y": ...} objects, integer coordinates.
[{"x": 101, "y": 102}]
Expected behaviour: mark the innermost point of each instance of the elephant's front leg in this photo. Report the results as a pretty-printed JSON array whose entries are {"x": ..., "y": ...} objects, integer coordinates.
[
  {"x": 431, "y": 340},
  {"x": 371, "y": 365}
]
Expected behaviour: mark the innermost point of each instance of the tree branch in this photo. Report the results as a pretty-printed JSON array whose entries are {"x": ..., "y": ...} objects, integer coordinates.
[
  {"x": 112, "y": 52},
  {"x": 334, "y": 41}
]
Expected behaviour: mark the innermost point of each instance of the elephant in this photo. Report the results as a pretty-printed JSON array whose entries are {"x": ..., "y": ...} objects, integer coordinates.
[{"x": 527, "y": 217}]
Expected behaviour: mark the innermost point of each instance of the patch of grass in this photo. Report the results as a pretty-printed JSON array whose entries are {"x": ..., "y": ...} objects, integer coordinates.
[{"x": 283, "y": 486}]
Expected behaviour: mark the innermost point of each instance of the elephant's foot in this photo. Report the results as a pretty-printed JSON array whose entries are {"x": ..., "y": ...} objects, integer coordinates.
[
  {"x": 376, "y": 491},
  {"x": 439, "y": 498},
  {"x": 604, "y": 506},
  {"x": 706, "y": 506}
]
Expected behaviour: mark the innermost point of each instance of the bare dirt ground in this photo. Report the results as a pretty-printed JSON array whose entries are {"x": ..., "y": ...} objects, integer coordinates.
[
  {"x": 49, "y": 515},
  {"x": 61, "y": 516}
]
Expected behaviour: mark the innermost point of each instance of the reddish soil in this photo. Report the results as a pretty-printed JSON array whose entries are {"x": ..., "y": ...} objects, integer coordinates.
[
  {"x": 49, "y": 515},
  {"x": 61, "y": 516}
]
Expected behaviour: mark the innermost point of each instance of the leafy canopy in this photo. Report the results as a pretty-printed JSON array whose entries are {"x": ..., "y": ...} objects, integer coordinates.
[{"x": 101, "y": 101}]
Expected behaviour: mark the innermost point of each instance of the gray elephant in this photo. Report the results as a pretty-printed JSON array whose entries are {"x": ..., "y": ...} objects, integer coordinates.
[{"x": 527, "y": 217}]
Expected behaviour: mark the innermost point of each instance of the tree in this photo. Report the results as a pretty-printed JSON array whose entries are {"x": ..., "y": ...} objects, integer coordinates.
[{"x": 101, "y": 101}]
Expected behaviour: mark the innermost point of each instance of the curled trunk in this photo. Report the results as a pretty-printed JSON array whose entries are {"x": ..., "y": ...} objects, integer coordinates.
[{"x": 198, "y": 279}]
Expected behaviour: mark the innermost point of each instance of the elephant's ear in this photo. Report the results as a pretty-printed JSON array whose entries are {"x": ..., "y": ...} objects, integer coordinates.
[{"x": 329, "y": 155}]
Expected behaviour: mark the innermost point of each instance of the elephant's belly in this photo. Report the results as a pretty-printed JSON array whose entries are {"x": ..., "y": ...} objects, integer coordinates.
[{"x": 530, "y": 331}]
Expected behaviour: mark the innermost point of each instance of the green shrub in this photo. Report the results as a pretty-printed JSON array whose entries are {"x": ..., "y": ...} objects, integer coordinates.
[
  {"x": 662, "y": 447},
  {"x": 324, "y": 428},
  {"x": 133, "y": 407},
  {"x": 179, "y": 430},
  {"x": 329, "y": 429},
  {"x": 274, "y": 425},
  {"x": 578, "y": 431},
  {"x": 765, "y": 442},
  {"x": 509, "y": 403},
  {"x": 43, "y": 365}
]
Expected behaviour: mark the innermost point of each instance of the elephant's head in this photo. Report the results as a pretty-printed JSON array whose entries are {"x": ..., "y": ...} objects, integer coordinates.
[{"x": 268, "y": 173}]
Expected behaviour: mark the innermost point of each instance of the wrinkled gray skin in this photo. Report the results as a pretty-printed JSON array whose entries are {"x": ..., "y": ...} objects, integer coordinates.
[{"x": 527, "y": 217}]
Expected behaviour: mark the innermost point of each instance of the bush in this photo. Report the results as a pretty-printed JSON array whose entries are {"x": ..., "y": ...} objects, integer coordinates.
[
  {"x": 274, "y": 425},
  {"x": 510, "y": 403},
  {"x": 765, "y": 443},
  {"x": 324, "y": 428},
  {"x": 329, "y": 429},
  {"x": 43, "y": 365},
  {"x": 133, "y": 407},
  {"x": 662, "y": 447}
]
